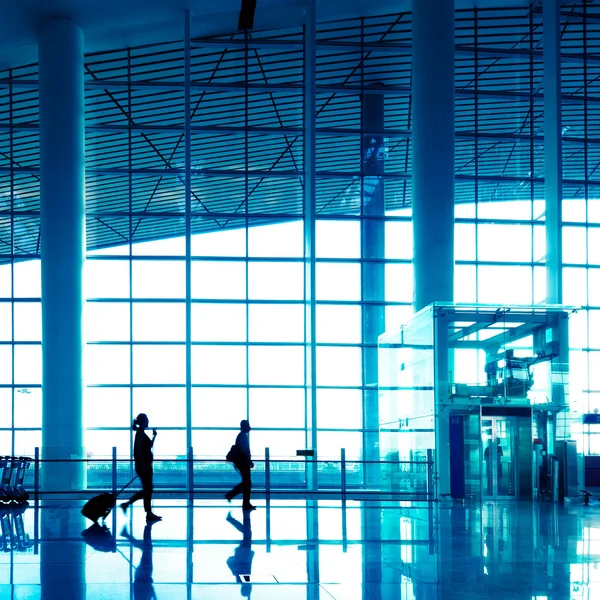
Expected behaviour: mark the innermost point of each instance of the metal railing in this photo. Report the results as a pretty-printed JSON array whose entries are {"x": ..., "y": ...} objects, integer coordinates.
[{"x": 194, "y": 477}]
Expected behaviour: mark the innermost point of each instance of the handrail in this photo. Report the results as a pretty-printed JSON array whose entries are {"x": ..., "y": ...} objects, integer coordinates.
[{"x": 402, "y": 478}]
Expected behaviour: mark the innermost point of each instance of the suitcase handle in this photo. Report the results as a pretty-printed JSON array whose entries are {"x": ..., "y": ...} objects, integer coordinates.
[{"x": 125, "y": 486}]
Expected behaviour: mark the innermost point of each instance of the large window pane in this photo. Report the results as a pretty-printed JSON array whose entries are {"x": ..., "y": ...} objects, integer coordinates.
[
  {"x": 276, "y": 281},
  {"x": 218, "y": 407},
  {"x": 339, "y": 409},
  {"x": 5, "y": 281},
  {"x": 224, "y": 365},
  {"x": 5, "y": 321},
  {"x": 339, "y": 324},
  {"x": 280, "y": 443},
  {"x": 282, "y": 240},
  {"x": 277, "y": 407},
  {"x": 276, "y": 323},
  {"x": 465, "y": 283},
  {"x": 218, "y": 280},
  {"x": 464, "y": 241},
  {"x": 504, "y": 243},
  {"x": 106, "y": 364},
  {"x": 399, "y": 283},
  {"x": 218, "y": 322},
  {"x": 339, "y": 366},
  {"x": 225, "y": 242},
  {"x": 158, "y": 322},
  {"x": 28, "y": 364},
  {"x": 106, "y": 279},
  {"x": 27, "y": 279},
  {"x": 215, "y": 444},
  {"x": 28, "y": 407},
  {"x": 338, "y": 239},
  {"x": 276, "y": 365},
  {"x": 574, "y": 286},
  {"x": 505, "y": 285},
  {"x": 331, "y": 444},
  {"x": 574, "y": 245},
  {"x": 106, "y": 321},
  {"x": 5, "y": 364},
  {"x": 158, "y": 279},
  {"x": 26, "y": 442},
  {"x": 5, "y": 407},
  {"x": 164, "y": 406},
  {"x": 399, "y": 240},
  {"x": 158, "y": 364},
  {"x": 28, "y": 321},
  {"x": 338, "y": 281},
  {"x": 107, "y": 407}
]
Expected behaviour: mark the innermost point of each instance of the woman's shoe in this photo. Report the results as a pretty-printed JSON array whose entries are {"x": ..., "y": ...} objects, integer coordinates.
[
  {"x": 124, "y": 506},
  {"x": 248, "y": 507},
  {"x": 152, "y": 517}
]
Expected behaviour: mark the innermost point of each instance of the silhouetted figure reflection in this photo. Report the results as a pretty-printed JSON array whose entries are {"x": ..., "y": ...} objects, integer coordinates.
[
  {"x": 243, "y": 463},
  {"x": 99, "y": 538},
  {"x": 240, "y": 563},
  {"x": 143, "y": 586},
  {"x": 143, "y": 458}
]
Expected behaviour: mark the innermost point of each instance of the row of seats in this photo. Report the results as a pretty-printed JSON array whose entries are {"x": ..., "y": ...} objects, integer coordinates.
[{"x": 13, "y": 470}]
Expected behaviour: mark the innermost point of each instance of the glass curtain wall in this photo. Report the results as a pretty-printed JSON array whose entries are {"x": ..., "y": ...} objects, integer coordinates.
[{"x": 229, "y": 296}]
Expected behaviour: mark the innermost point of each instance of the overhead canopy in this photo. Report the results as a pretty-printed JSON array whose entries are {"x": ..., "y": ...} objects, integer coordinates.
[{"x": 135, "y": 121}]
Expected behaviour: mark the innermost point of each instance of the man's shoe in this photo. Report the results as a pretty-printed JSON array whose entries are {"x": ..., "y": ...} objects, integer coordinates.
[
  {"x": 124, "y": 506},
  {"x": 248, "y": 507},
  {"x": 150, "y": 517},
  {"x": 228, "y": 497}
]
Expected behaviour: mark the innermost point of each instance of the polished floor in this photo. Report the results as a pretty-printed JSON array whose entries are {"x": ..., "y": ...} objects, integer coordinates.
[{"x": 304, "y": 549}]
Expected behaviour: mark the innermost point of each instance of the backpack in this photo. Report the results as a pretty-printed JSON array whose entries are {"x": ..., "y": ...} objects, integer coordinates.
[{"x": 233, "y": 455}]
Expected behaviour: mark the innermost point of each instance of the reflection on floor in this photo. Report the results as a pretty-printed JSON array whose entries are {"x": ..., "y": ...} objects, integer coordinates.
[{"x": 304, "y": 549}]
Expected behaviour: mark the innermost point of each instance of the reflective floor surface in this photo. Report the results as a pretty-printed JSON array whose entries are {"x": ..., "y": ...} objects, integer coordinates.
[{"x": 304, "y": 549}]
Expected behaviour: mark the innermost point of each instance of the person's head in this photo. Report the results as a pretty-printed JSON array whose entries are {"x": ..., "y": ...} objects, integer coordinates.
[
  {"x": 245, "y": 426},
  {"x": 140, "y": 422}
]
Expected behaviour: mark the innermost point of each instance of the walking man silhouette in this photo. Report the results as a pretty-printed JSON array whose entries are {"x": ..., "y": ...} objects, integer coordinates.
[{"x": 243, "y": 463}]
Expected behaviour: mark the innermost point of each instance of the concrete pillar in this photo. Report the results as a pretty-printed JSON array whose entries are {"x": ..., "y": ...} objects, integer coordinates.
[
  {"x": 433, "y": 150},
  {"x": 373, "y": 273},
  {"x": 62, "y": 171},
  {"x": 62, "y": 552}
]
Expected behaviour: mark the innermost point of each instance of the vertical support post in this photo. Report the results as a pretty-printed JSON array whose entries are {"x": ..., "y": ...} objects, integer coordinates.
[
  {"x": 36, "y": 476},
  {"x": 310, "y": 61},
  {"x": 343, "y": 474},
  {"x": 430, "y": 485},
  {"x": 62, "y": 220},
  {"x": 433, "y": 150},
  {"x": 114, "y": 484},
  {"x": 553, "y": 150},
  {"x": 190, "y": 475},
  {"x": 114, "y": 469},
  {"x": 372, "y": 273},
  {"x": 268, "y": 474},
  {"x": 188, "y": 247}
]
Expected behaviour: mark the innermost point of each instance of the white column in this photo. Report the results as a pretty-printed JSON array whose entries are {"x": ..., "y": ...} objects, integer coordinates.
[
  {"x": 433, "y": 150},
  {"x": 62, "y": 168}
]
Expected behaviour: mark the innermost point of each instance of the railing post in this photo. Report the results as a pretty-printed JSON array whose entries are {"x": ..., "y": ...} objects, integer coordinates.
[
  {"x": 114, "y": 470},
  {"x": 190, "y": 474},
  {"x": 267, "y": 474},
  {"x": 430, "y": 490},
  {"x": 343, "y": 473},
  {"x": 36, "y": 476}
]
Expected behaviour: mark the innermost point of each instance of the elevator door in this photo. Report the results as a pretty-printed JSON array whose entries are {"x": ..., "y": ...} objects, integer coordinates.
[{"x": 499, "y": 473}]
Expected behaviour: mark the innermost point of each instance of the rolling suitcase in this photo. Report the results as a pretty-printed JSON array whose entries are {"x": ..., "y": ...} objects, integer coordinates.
[{"x": 99, "y": 507}]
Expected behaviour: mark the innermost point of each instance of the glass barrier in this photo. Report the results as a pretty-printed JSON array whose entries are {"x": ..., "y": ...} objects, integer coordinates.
[{"x": 406, "y": 478}]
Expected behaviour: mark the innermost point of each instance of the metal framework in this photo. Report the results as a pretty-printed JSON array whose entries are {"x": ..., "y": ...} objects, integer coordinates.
[{"x": 186, "y": 142}]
